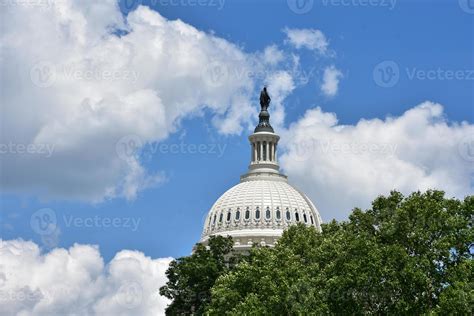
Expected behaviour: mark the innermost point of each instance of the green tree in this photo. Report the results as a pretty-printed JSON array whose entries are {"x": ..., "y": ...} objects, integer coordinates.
[
  {"x": 405, "y": 255},
  {"x": 191, "y": 278}
]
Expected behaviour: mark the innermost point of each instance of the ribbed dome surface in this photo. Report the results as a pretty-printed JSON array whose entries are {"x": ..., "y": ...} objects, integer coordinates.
[{"x": 260, "y": 204}]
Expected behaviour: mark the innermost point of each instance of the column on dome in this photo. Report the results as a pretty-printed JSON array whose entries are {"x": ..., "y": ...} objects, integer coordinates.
[
  {"x": 267, "y": 153},
  {"x": 272, "y": 155},
  {"x": 254, "y": 151},
  {"x": 258, "y": 150},
  {"x": 275, "y": 153},
  {"x": 261, "y": 151}
]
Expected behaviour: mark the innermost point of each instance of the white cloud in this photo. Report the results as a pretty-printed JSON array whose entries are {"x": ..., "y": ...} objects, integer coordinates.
[
  {"x": 76, "y": 281},
  {"x": 346, "y": 166},
  {"x": 331, "y": 79},
  {"x": 72, "y": 89},
  {"x": 79, "y": 101},
  {"x": 272, "y": 55},
  {"x": 311, "y": 39}
]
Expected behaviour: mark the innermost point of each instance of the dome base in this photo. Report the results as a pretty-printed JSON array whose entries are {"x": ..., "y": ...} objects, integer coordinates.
[{"x": 245, "y": 239}]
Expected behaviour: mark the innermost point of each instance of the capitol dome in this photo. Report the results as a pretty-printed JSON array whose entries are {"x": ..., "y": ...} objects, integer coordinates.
[{"x": 263, "y": 204}]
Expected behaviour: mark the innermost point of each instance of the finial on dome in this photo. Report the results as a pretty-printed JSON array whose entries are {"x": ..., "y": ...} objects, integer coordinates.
[{"x": 264, "y": 116}]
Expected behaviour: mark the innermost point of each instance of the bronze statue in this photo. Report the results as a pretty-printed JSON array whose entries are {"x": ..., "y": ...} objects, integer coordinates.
[
  {"x": 264, "y": 99},
  {"x": 264, "y": 116}
]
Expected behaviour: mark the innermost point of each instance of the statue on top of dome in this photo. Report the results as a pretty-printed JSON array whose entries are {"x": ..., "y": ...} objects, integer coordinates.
[{"x": 264, "y": 99}]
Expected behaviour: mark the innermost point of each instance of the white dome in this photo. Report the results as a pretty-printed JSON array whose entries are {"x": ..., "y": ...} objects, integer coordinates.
[
  {"x": 263, "y": 204},
  {"x": 257, "y": 211}
]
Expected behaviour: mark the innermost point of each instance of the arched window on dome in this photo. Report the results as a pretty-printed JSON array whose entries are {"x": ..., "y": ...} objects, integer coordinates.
[
  {"x": 297, "y": 216},
  {"x": 209, "y": 222},
  {"x": 221, "y": 217},
  {"x": 229, "y": 215},
  {"x": 288, "y": 215},
  {"x": 278, "y": 214},
  {"x": 257, "y": 213},
  {"x": 305, "y": 218},
  {"x": 237, "y": 215},
  {"x": 214, "y": 220},
  {"x": 268, "y": 213},
  {"x": 247, "y": 214},
  {"x": 312, "y": 221}
]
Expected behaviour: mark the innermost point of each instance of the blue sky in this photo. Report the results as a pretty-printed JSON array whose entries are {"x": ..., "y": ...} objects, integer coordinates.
[{"x": 415, "y": 35}]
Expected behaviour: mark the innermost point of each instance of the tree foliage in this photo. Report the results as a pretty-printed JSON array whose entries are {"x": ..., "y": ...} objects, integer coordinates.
[
  {"x": 405, "y": 255},
  {"x": 191, "y": 278}
]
